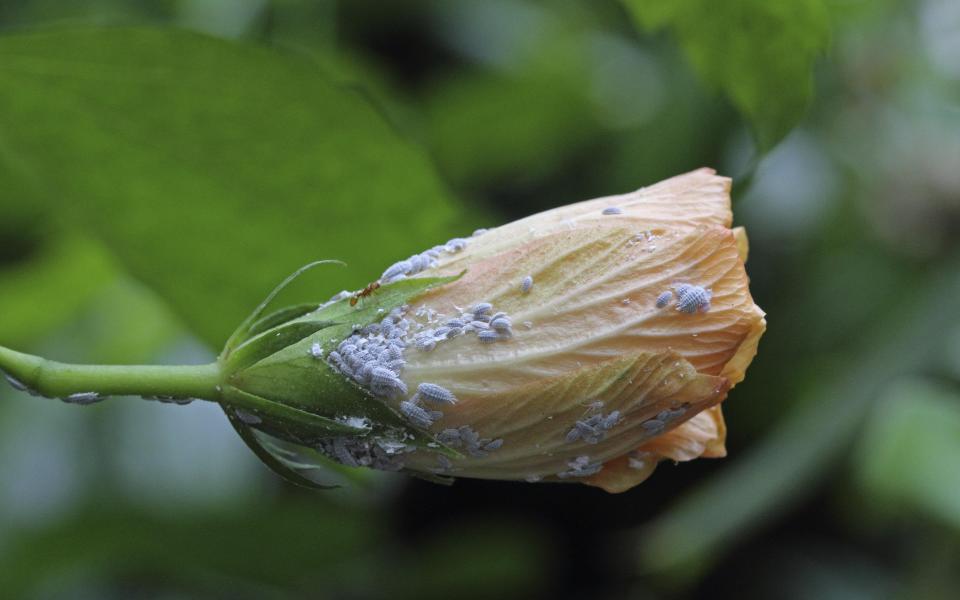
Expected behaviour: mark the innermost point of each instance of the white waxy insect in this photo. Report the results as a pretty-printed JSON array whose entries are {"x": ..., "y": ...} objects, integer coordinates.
[
  {"x": 493, "y": 445},
  {"x": 316, "y": 350},
  {"x": 343, "y": 454},
  {"x": 652, "y": 425},
  {"x": 455, "y": 324},
  {"x": 481, "y": 309},
  {"x": 501, "y": 323},
  {"x": 385, "y": 382},
  {"x": 480, "y": 231},
  {"x": 437, "y": 394},
  {"x": 693, "y": 298},
  {"x": 416, "y": 414},
  {"x": 396, "y": 365},
  {"x": 477, "y": 326},
  {"x": 526, "y": 284},
  {"x": 611, "y": 420},
  {"x": 425, "y": 344},
  {"x": 335, "y": 359},
  {"x": 399, "y": 268},
  {"x": 581, "y": 467},
  {"x": 363, "y": 374},
  {"x": 613, "y": 210},
  {"x": 469, "y": 436},
  {"x": 455, "y": 245},
  {"x": 392, "y": 352},
  {"x": 341, "y": 295},
  {"x": 488, "y": 336},
  {"x": 16, "y": 383},
  {"x": 449, "y": 437},
  {"x": 572, "y": 436},
  {"x": 391, "y": 446},
  {"x": 83, "y": 398},
  {"x": 585, "y": 428},
  {"x": 664, "y": 299},
  {"x": 445, "y": 464}
]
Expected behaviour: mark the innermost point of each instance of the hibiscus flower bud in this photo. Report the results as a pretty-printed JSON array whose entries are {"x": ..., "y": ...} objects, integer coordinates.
[{"x": 583, "y": 344}]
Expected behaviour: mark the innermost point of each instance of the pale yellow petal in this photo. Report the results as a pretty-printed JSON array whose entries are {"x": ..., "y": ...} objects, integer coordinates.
[
  {"x": 700, "y": 198},
  {"x": 593, "y": 298},
  {"x": 743, "y": 244},
  {"x": 534, "y": 419}
]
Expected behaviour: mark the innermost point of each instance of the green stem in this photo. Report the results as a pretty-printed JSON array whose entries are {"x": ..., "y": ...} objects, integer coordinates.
[{"x": 60, "y": 380}]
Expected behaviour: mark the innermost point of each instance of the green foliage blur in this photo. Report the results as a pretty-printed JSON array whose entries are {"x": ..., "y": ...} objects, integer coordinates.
[{"x": 164, "y": 163}]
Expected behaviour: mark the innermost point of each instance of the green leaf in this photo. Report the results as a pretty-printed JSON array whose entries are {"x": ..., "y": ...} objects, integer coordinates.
[
  {"x": 209, "y": 166},
  {"x": 51, "y": 286},
  {"x": 910, "y": 450},
  {"x": 759, "y": 53}
]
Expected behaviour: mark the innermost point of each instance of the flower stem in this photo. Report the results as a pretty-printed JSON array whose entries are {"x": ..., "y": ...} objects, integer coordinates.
[{"x": 60, "y": 380}]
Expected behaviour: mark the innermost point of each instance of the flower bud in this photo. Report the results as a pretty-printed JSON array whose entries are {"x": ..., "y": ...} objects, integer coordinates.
[{"x": 582, "y": 344}]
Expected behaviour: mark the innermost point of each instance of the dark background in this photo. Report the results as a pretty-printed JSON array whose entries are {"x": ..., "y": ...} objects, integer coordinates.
[{"x": 153, "y": 191}]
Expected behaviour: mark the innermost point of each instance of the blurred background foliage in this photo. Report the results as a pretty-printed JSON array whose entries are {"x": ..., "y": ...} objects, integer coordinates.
[{"x": 163, "y": 163}]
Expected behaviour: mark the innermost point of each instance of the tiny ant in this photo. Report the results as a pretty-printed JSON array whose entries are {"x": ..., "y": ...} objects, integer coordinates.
[{"x": 364, "y": 292}]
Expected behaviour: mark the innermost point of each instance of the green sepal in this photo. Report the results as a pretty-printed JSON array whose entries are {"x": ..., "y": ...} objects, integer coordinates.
[
  {"x": 287, "y": 422},
  {"x": 271, "y": 373},
  {"x": 303, "y": 458},
  {"x": 386, "y": 297},
  {"x": 270, "y": 342},
  {"x": 284, "y": 470},
  {"x": 292, "y": 377},
  {"x": 281, "y": 316},
  {"x": 243, "y": 331}
]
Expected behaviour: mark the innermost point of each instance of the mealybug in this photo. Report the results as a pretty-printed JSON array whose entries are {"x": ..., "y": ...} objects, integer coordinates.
[
  {"x": 526, "y": 284},
  {"x": 664, "y": 299},
  {"x": 432, "y": 392},
  {"x": 693, "y": 298},
  {"x": 416, "y": 414}
]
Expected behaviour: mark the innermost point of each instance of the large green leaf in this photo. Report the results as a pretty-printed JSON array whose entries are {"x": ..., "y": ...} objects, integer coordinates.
[
  {"x": 909, "y": 455},
  {"x": 210, "y": 167},
  {"x": 759, "y": 52}
]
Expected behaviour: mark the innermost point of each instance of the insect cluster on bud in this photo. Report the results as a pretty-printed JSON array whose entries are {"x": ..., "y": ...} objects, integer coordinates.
[{"x": 585, "y": 343}]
